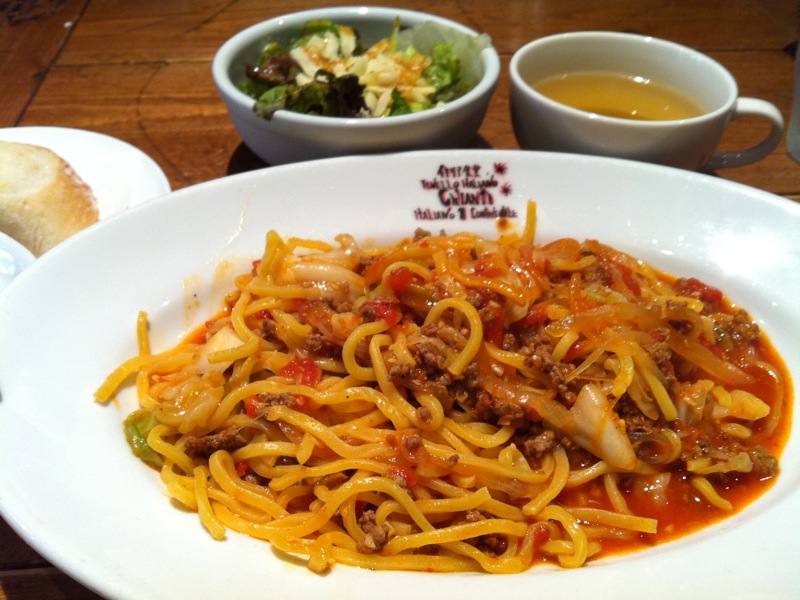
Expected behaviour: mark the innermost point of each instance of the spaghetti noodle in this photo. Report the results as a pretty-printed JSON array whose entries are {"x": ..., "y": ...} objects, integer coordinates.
[{"x": 453, "y": 403}]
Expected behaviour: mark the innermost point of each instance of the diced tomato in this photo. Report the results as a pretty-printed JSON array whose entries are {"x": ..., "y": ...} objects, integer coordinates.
[
  {"x": 302, "y": 371},
  {"x": 242, "y": 468},
  {"x": 399, "y": 279},
  {"x": 493, "y": 332},
  {"x": 316, "y": 312},
  {"x": 489, "y": 265},
  {"x": 386, "y": 311},
  {"x": 537, "y": 315},
  {"x": 577, "y": 350},
  {"x": 251, "y": 406},
  {"x": 627, "y": 278},
  {"x": 493, "y": 329},
  {"x": 262, "y": 314},
  {"x": 541, "y": 534},
  {"x": 695, "y": 287},
  {"x": 406, "y": 474},
  {"x": 256, "y": 264}
]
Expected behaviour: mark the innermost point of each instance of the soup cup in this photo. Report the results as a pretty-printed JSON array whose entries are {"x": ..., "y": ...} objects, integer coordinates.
[{"x": 541, "y": 123}]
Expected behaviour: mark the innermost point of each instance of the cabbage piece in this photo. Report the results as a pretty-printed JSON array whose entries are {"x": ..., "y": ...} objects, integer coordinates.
[
  {"x": 137, "y": 426},
  {"x": 466, "y": 48}
]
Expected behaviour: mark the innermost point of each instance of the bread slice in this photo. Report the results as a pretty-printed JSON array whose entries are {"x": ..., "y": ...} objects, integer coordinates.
[{"x": 42, "y": 200}]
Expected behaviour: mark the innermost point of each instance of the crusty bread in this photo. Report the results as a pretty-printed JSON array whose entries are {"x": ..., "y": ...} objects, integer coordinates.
[{"x": 42, "y": 200}]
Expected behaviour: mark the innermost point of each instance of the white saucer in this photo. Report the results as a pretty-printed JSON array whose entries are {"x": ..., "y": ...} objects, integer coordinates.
[{"x": 119, "y": 174}]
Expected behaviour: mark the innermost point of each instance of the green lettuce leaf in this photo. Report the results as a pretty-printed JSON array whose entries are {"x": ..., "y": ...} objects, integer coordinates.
[{"x": 465, "y": 48}]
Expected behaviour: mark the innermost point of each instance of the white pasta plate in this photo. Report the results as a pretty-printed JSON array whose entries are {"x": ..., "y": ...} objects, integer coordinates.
[
  {"x": 71, "y": 488},
  {"x": 119, "y": 174}
]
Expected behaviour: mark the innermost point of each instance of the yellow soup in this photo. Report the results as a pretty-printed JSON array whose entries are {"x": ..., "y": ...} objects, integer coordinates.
[{"x": 617, "y": 95}]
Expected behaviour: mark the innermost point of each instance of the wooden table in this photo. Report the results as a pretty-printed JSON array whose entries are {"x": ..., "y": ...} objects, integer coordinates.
[{"x": 140, "y": 71}]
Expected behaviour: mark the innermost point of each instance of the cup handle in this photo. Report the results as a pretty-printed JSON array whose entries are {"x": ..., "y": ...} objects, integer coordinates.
[{"x": 746, "y": 107}]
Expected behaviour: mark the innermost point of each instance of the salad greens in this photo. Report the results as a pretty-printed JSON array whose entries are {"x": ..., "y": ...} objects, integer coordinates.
[{"x": 325, "y": 71}]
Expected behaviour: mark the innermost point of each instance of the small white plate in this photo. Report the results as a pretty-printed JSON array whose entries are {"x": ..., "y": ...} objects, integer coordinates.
[
  {"x": 119, "y": 174},
  {"x": 14, "y": 257}
]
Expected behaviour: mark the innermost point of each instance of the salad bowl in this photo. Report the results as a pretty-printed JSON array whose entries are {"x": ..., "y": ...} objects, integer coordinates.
[{"x": 286, "y": 136}]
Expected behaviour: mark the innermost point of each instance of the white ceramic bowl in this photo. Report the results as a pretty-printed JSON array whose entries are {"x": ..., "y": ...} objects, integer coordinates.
[
  {"x": 291, "y": 137},
  {"x": 541, "y": 123}
]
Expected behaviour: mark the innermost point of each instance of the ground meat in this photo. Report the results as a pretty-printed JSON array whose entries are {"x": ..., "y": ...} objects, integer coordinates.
[
  {"x": 629, "y": 412},
  {"x": 662, "y": 356},
  {"x": 412, "y": 441},
  {"x": 510, "y": 342},
  {"x": 251, "y": 477},
  {"x": 473, "y": 516},
  {"x": 763, "y": 461},
  {"x": 333, "y": 480},
  {"x": 342, "y": 306},
  {"x": 284, "y": 399},
  {"x": 269, "y": 329},
  {"x": 644, "y": 433},
  {"x": 493, "y": 545},
  {"x": 505, "y": 413},
  {"x": 717, "y": 452},
  {"x": 660, "y": 352},
  {"x": 448, "y": 334},
  {"x": 538, "y": 346},
  {"x": 399, "y": 369},
  {"x": 319, "y": 345},
  {"x": 264, "y": 401},
  {"x": 398, "y": 478},
  {"x": 467, "y": 391},
  {"x": 489, "y": 303},
  {"x": 669, "y": 309},
  {"x": 369, "y": 311},
  {"x": 578, "y": 457},
  {"x": 424, "y": 414},
  {"x": 474, "y": 297},
  {"x": 430, "y": 355},
  {"x": 558, "y": 372},
  {"x": 638, "y": 426},
  {"x": 538, "y": 445},
  {"x": 743, "y": 329},
  {"x": 420, "y": 233},
  {"x": 228, "y": 439},
  {"x": 724, "y": 453},
  {"x": 598, "y": 272},
  {"x": 430, "y": 365},
  {"x": 375, "y": 536}
]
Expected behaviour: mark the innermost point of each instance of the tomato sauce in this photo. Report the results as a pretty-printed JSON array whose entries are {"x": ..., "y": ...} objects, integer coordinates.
[{"x": 680, "y": 508}]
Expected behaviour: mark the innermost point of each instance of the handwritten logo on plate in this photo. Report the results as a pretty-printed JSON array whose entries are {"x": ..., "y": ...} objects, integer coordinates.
[{"x": 468, "y": 191}]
